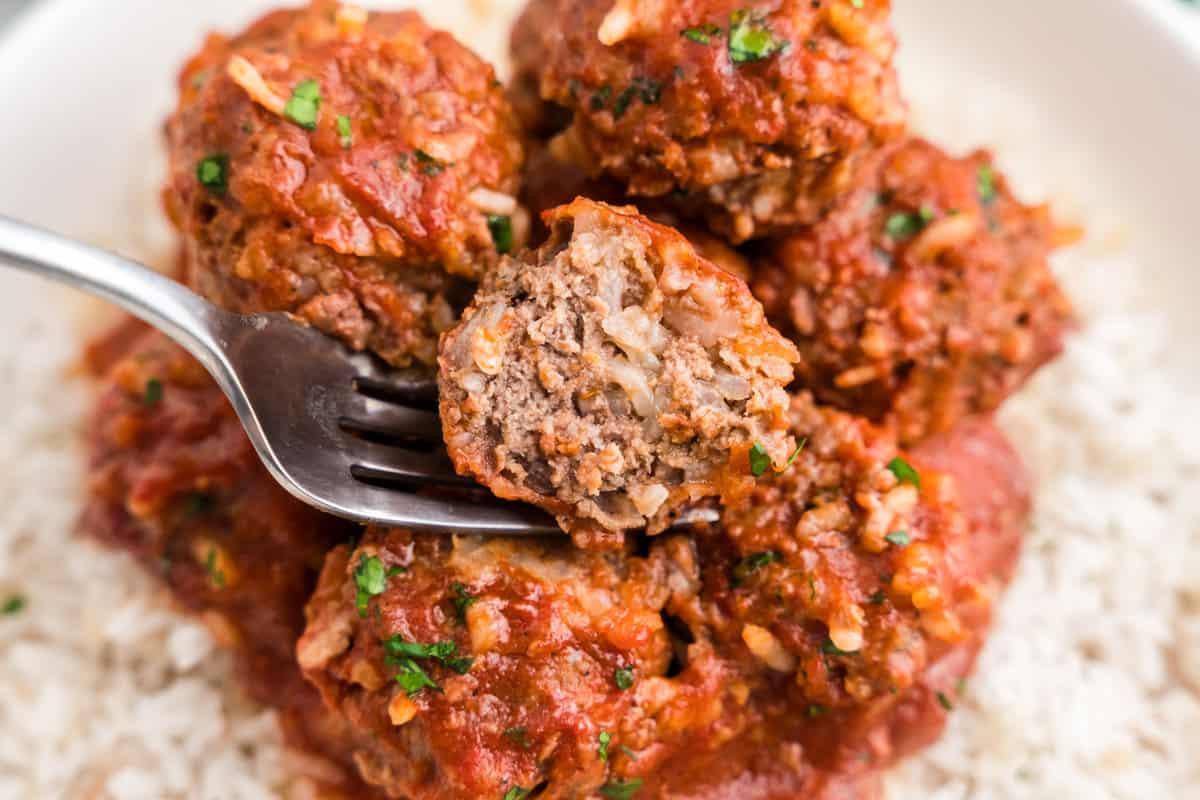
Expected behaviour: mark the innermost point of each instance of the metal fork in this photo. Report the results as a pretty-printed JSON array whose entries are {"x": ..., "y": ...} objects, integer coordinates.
[{"x": 338, "y": 430}]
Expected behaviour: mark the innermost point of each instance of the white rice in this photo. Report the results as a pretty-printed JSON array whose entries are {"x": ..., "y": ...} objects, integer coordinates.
[{"x": 1089, "y": 688}]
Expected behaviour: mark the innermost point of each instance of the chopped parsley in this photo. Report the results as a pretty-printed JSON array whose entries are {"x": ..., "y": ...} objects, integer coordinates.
[
  {"x": 213, "y": 173},
  {"x": 985, "y": 184},
  {"x": 750, "y": 39},
  {"x": 517, "y": 793},
  {"x": 429, "y": 165},
  {"x": 519, "y": 735},
  {"x": 701, "y": 34},
  {"x": 604, "y": 739},
  {"x": 396, "y": 570},
  {"x": 502, "y": 232},
  {"x": 396, "y": 646},
  {"x": 905, "y": 225},
  {"x": 412, "y": 678},
  {"x": 944, "y": 701},
  {"x": 305, "y": 104},
  {"x": 621, "y": 790},
  {"x": 760, "y": 460},
  {"x": 462, "y": 600},
  {"x": 753, "y": 563},
  {"x": 899, "y": 538},
  {"x": 799, "y": 447},
  {"x": 14, "y": 604},
  {"x": 345, "y": 131},
  {"x": 215, "y": 575},
  {"x": 877, "y": 598},
  {"x": 600, "y": 98},
  {"x": 630, "y": 753},
  {"x": 814, "y": 710},
  {"x": 647, "y": 89},
  {"x": 904, "y": 472},
  {"x": 831, "y": 649},
  {"x": 623, "y": 677},
  {"x": 371, "y": 579},
  {"x": 856, "y": 3},
  {"x": 152, "y": 395}
]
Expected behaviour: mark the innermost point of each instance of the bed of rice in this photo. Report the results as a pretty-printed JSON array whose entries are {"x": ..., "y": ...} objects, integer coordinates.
[{"x": 1089, "y": 688}]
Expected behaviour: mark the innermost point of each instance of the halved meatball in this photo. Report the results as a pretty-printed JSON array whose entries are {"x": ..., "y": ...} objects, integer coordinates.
[
  {"x": 613, "y": 374},
  {"x": 755, "y": 117},
  {"x": 793, "y": 650},
  {"x": 175, "y": 483},
  {"x": 924, "y": 297},
  {"x": 358, "y": 170}
]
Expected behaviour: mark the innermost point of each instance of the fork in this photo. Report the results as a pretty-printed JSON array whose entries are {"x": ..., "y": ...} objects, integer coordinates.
[{"x": 338, "y": 430}]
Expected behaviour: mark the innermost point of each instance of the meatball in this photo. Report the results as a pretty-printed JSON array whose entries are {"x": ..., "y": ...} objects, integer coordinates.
[
  {"x": 175, "y": 483},
  {"x": 925, "y": 296},
  {"x": 613, "y": 374},
  {"x": 357, "y": 170},
  {"x": 796, "y": 648},
  {"x": 753, "y": 118}
]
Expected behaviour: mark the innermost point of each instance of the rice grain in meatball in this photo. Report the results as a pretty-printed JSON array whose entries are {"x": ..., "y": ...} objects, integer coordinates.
[
  {"x": 753, "y": 116},
  {"x": 806, "y": 642},
  {"x": 925, "y": 296},
  {"x": 613, "y": 374},
  {"x": 344, "y": 166}
]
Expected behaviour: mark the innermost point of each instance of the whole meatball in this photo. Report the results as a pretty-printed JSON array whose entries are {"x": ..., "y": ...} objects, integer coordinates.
[
  {"x": 356, "y": 169},
  {"x": 754, "y": 117},
  {"x": 925, "y": 296},
  {"x": 794, "y": 649},
  {"x": 175, "y": 483}
]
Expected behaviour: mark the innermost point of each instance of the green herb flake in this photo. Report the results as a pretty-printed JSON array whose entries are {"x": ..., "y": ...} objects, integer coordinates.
[
  {"x": 412, "y": 678},
  {"x": 396, "y": 570},
  {"x": 750, "y": 39},
  {"x": 753, "y": 563},
  {"x": 621, "y": 790},
  {"x": 814, "y": 710},
  {"x": 944, "y": 701},
  {"x": 604, "y": 739},
  {"x": 985, "y": 184},
  {"x": 799, "y": 447},
  {"x": 152, "y": 394},
  {"x": 831, "y": 649},
  {"x": 517, "y": 793},
  {"x": 345, "y": 131},
  {"x": 760, "y": 460},
  {"x": 878, "y": 598},
  {"x": 402, "y": 162},
  {"x": 904, "y": 472},
  {"x": 856, "y": 3},
  {"x": 397, "y": 646},
  {"x": 647, "y": 90},
  {"x": 13, "y": 604},
  {"x": 902, "y": 225},
  {"x": 630, "y": 754},
  {"x": 199, "y": 503},
  {"x": 371, "y": 580},
  {"x": 519, "y": 735},
  {"x": 701, "y": 34},
  {"x": 213, "y": 173},
  {"x": 502, "y": 232},
  {"x": 600, "y": 98},
  {"x": 215, "y": 575},
  {"x": 462, "y": 665},
  {"x": 304, "y": 107},
  {"x": 429, "y": 165},
  {"x": 623, "y": 677},
  {"x": 899, "y": 538}
]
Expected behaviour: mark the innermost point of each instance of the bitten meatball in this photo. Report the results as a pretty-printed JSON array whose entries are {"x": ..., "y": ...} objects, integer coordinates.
[
  {"x": 752, "y": 116},
  {"x": 613, "y": 374},
  {"x": 357, "y": 170},
  {"x": 925, "y": 296},
  {"x": 794, "y": 649},
  {"x": 175, "y": 483}
]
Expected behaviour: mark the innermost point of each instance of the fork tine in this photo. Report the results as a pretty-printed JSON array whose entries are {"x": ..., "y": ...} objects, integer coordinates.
[
  {"x": 399, "y": 465},
  {"x": 416, "y": 390},
  {"x": 387, "y": 419}
]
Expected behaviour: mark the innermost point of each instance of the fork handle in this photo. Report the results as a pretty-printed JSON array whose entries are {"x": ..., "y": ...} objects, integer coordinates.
[{"x": 178, "y": 312}]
